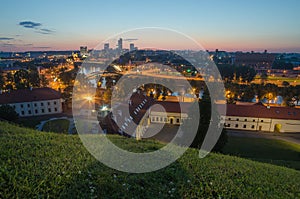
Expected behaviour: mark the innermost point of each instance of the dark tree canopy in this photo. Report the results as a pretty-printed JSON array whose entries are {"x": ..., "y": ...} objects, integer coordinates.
[{"x": 7, "y": 112}]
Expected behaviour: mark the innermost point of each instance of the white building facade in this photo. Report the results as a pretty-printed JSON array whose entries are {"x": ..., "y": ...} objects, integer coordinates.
[
  {"x": 262, "y": 118},
  {"x": 33, "y": 102}
]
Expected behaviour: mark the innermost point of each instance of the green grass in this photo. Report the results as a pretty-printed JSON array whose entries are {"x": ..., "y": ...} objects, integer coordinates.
[
  {"x": 29, "y": 122},
  {"x": 276, "y": 152},
  {"x": 40, "y": 165},
  {"x": 57, "y": 126}
]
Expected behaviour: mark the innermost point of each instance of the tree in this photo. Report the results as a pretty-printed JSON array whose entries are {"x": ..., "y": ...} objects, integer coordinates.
[
  {"x": 9, "y": 81},
  {"x": 7, "y": 112},
  {"x": 34, "y": 78},
  {"x": 285, "y": 83},
  {"x": 230, "y": 72},
  {"x": 44, "y": 81},
  {"x": 21, "y": 79},
  {"x": 2, "y": 82},
  {"x": 206, "y": 119}
]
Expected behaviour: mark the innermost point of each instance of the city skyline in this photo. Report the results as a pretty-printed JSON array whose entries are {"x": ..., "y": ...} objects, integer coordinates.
[{"x": 230, "y": 25}]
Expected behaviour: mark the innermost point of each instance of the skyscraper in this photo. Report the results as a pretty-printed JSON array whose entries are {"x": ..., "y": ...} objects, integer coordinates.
[
  {"x": 106, "y": 46},
  {"x": 83, "y": 51},
  {"x": 120, "y": 44},
  {"x": 131, "y": 48}
]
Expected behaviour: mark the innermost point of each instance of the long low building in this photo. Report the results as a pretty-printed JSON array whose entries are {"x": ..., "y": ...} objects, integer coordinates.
[
  {"x": 258, "y": 117},
  {"x": 33, "y": 102}
]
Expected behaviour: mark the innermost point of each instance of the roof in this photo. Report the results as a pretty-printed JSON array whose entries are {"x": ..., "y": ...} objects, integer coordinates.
[
  {"x": 27, "y": 95},
  {"x": 172, "y": 107},
  {"x": 260, "y": 111}
]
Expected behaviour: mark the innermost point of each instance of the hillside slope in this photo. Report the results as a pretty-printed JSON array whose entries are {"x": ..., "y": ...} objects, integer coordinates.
[{"x": 37, "y": 164}]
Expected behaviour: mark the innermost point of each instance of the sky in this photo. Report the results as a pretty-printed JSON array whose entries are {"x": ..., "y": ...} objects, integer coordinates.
[{"x": 231, "y": 25}]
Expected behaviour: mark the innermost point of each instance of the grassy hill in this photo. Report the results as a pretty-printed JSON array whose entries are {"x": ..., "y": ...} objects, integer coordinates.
[{"x": 38, "y": 165}]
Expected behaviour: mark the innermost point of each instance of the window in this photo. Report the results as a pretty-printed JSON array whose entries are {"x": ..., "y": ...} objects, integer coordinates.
[
  {"x": 49, "y": 110},
  {"x": 236, "y": 126},
  {"x": 253, "y": 120},
  {"x": 14, "y": 106},
  {"x": 35, "y": 104},
  {"x": 36, "y": 111},
  {"x": 252, "y": 126},
  {"x": 245, "y": 120},
  {"x": 28, "y": 105},
  {"x": 43, "y": 111},
  {"x": 42, "y": 104},
  {"x": 165, "y": 119},
  {"x": 48, "y": 103},
  {"x": 245, "y": 126},
  {"x": 261, "y": 120},
  {"x": 157, "y": 119},
  {"x": 177, "y": 120},
  {"x": 229, "y": 118},
  {"x": 161, "y": 119},
  {"x": 237, "y": 119},
  {"x": 29, "y": 112},
  {"x": 54, "y": 102},
  {"x": 22, "y": 106},
  {"x": 228, "y": 125},
  {"x": 22, "y": 113},
  {"x": 55, "y": 109}
]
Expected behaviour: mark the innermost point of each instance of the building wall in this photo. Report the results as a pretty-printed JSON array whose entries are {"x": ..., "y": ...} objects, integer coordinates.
[
  {"x": 36, "y": 108},
  {"x": 261, "y": 124},
  {"x": 168, "y": 118},
  {"x": 286, "y": 125}
]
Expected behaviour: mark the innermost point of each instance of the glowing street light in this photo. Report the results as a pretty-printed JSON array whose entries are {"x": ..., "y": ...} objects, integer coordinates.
[{"x": 88, "y": 98}]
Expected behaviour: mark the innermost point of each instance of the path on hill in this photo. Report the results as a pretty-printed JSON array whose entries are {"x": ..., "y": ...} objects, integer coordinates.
[{"x": 289, "y": 137}]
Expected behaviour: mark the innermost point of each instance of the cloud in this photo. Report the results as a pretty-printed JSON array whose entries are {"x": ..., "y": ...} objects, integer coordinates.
[
  {"x": 6, "y": 38},
  {"x": 28, "y": 44},
  {"x": 36, "y": 26},
  {"x": 45, "y": 31},
  {"x": 30, "y": 24},
  {"x": 42, "y": 47},
  {"x": 7, "y": 45}
]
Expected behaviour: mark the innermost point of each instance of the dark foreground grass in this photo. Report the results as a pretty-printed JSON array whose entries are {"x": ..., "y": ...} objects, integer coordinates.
[
  {"x": 271, "y": 151},
  {"x": 57, "y": 126},
  {"x": 40, "y": 165}
]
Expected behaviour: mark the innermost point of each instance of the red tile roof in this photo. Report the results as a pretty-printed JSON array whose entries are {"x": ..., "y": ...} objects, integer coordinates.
[
  {"x": 261, "y": 111},
  {"x": 27, "y": 95}
]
